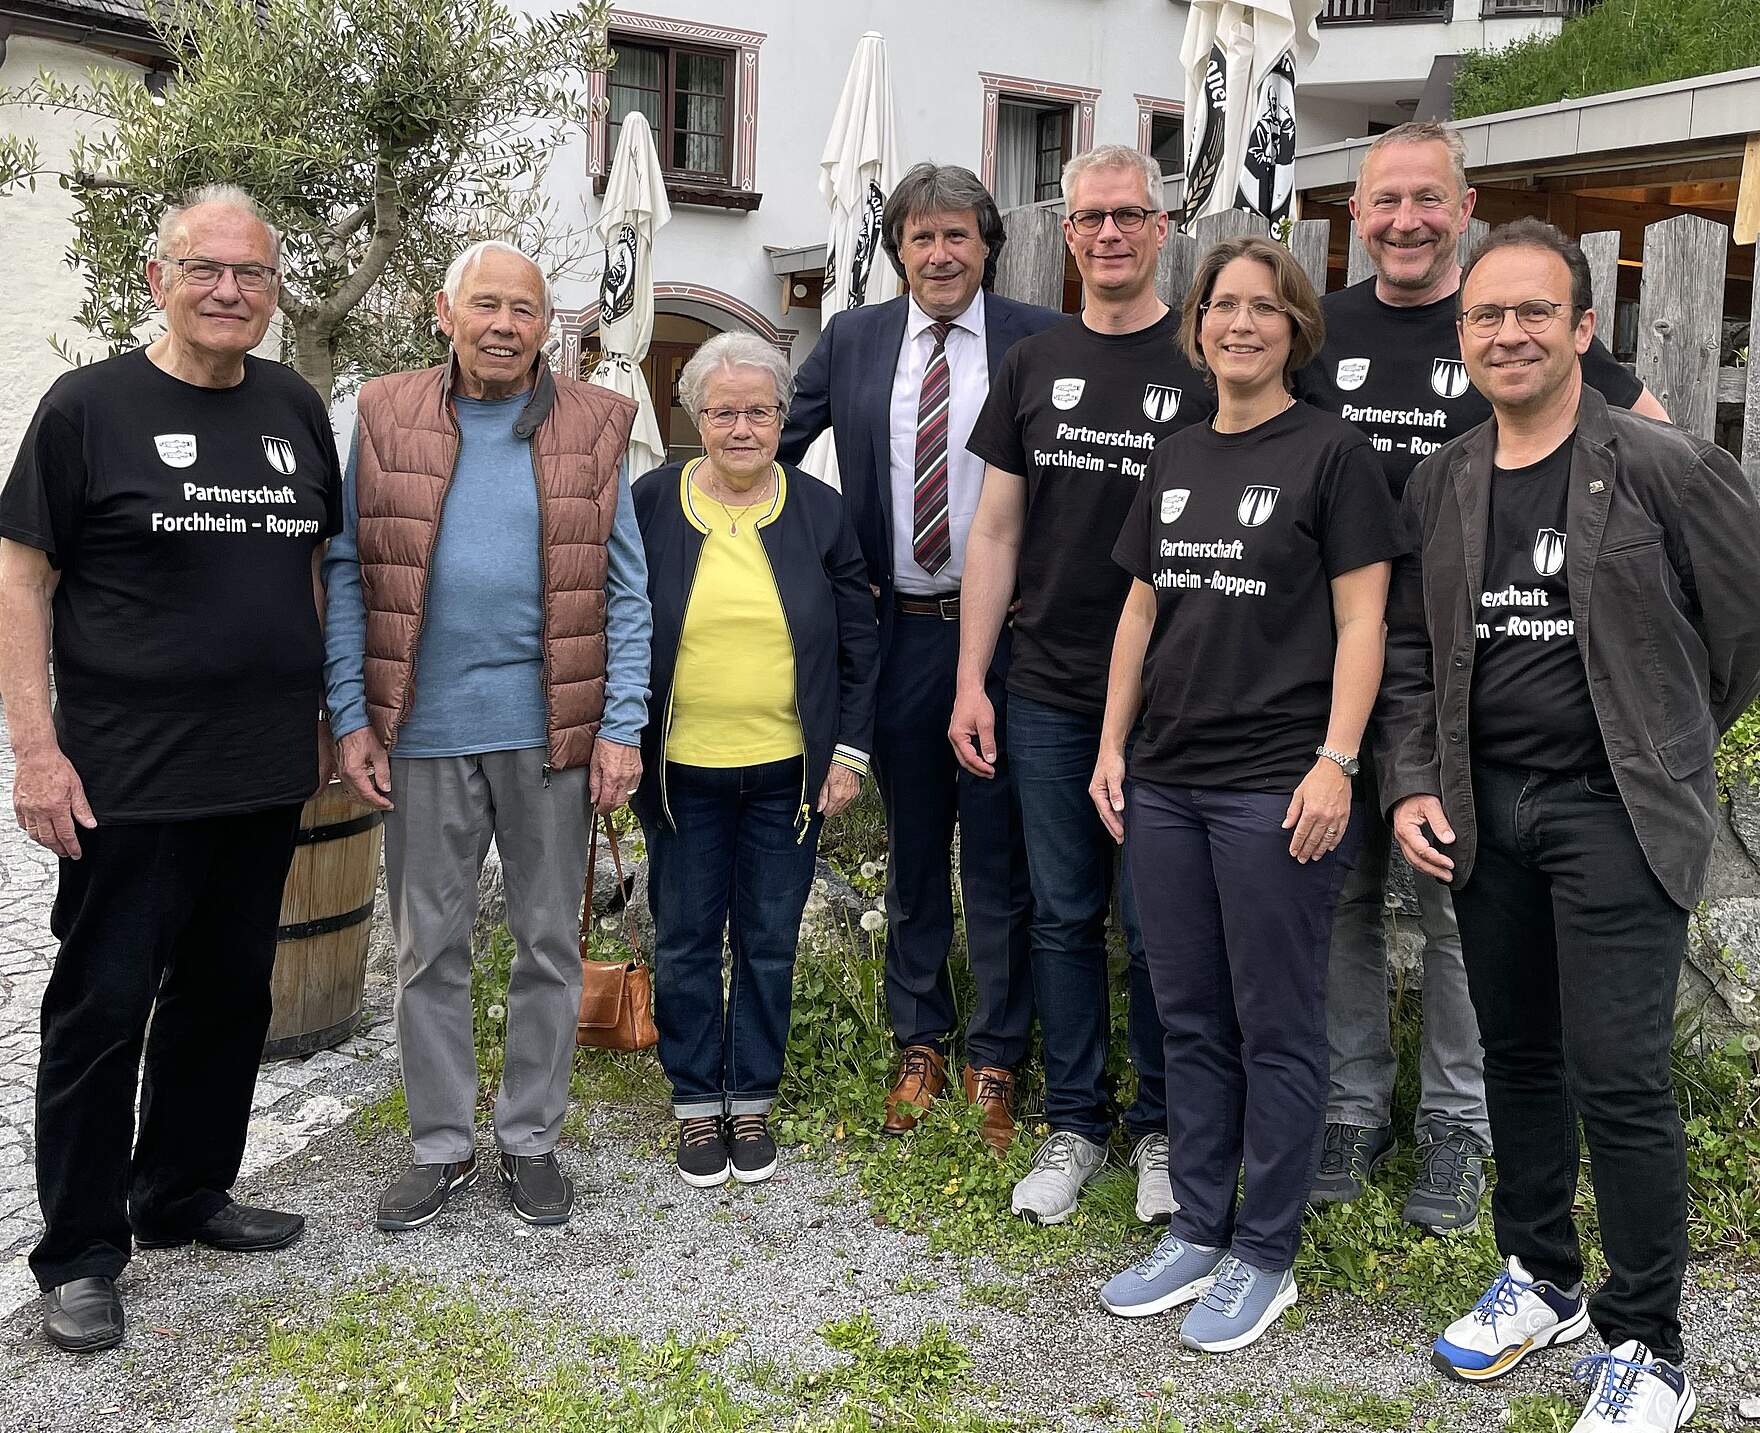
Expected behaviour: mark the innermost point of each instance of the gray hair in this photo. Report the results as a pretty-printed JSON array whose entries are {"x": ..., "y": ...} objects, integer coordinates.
[
  {"x": 1115, "y": 156},
  {"x": 930, "y": 188},
  {"x": 1422, "y": 131},
  {"x": 460, "y": 266},
  {"x": 734, "y": 350},
  {"x": 173, "y": 223}
]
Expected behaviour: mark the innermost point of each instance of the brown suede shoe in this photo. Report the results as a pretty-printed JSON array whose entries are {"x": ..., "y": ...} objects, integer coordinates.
[
  {"x": 922, "y": 1075},
  {"x": 994, "y": 1090}
]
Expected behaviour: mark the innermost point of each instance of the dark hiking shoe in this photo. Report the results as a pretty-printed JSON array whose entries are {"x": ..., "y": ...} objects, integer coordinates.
[
  {"x": 541, "y": 1192},
  {"x": 422, "y": 1192},
  {"x": 702, "y": 1153},
  {"x": 1450, "y": 1183},
  {"x": 1349, "y": 1157},
  {"x": 752, "y": 1151}
]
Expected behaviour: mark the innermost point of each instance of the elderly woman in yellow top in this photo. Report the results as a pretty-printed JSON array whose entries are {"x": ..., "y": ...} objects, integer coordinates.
[{"x": 764, "y": 663}]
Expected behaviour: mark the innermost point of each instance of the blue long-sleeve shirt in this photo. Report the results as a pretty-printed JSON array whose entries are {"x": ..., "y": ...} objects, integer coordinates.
[{"x": 480, "y": 660}]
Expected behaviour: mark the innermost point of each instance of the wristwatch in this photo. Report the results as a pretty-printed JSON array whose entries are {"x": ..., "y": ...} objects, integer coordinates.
[{"x": 1348, "y": 764}]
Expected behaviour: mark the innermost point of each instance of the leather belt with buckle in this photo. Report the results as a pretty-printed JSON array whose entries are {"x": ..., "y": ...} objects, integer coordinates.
[{"x": 946, "y": 608}]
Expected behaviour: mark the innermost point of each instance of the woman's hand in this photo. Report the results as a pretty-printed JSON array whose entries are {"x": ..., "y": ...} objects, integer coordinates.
[
  {"x": 1106, "y": 791},
  {"x": 841, "y": 787},
  {"x": 1319, "y": 810}
]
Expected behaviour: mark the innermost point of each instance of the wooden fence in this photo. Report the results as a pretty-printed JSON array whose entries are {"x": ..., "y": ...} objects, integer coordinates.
[{"x": 1680, "y": 309}]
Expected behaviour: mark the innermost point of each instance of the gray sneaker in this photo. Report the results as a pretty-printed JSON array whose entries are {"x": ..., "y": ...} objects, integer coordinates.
[
  {"x": 1451, "y": 1180},
  {"x": 1172, "y": 1273},
  {"x": 1155, "y": 1203},
  {"x": 1242, "y": 1302},
  {"x": 1064, "y": 1163},
  {"x": 1349, "y": 1157}
]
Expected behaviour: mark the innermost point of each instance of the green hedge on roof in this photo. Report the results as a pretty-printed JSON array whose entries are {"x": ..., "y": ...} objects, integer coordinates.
[{"x": 1620, "y": 45}]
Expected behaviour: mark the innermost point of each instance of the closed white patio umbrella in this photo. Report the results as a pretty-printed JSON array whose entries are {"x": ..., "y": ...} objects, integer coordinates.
[
  {"x": 1241, "y": 60},
  {"x": 633, "y": 211},
  {"x": 856, "y": 172}
]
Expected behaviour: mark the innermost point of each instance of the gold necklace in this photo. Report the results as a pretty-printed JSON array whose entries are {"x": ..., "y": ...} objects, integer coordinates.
[{"x": 733, "y": 514}]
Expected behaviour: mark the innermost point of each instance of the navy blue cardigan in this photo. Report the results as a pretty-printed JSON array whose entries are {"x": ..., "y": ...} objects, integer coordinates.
[{"x": 823, "y": 583}]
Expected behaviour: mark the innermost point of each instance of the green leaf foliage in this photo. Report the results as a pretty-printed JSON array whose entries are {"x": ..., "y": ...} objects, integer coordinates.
[
  {"x": 381, "y": 136},
  {"x": 1619, "y": 45}
]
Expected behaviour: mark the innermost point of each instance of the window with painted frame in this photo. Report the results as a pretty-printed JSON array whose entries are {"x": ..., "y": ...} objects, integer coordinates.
[{"x": 686, "y": 93}]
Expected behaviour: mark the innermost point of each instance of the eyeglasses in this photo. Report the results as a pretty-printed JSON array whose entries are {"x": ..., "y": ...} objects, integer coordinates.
[
  {"x": 1128, "y": 219},
  {"x": 759, "y": 415},
  {"x": 1534, "y": 315},
  {"x": 206, "y": 273},
  {"x": 1262, "y": 310}
]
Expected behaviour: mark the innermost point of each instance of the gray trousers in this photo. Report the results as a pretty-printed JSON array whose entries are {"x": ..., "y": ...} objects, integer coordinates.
[
  {"x": 448, "y": 809},
  {"x": 1451, "y": 1072}
]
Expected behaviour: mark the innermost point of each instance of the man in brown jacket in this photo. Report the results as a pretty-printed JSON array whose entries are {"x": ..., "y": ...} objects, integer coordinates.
[
  {"x": 1577, "y": 629},
  {"x": 487, "y": 669}
]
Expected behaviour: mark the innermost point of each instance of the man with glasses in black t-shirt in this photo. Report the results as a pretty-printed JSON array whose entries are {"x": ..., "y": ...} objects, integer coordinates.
[
  {"x": 158, "y": 537},
  {"x": 1072, "y": 418},
  {"x": 1393, "y": 357},
  {"x": 1577, "y": 629}
]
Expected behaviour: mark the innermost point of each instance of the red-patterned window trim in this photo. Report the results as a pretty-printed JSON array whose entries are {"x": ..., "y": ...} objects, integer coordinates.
[
  {"x": 742, "y": 47},
  {"x": 1148, "y": 106},
  {"x": 997, "y": 88}
]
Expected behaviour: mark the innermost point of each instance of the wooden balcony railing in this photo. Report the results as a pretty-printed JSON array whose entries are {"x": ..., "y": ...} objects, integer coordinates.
[
  {"x": 1569, "y": 9},
  {"x": 1381, "y": 12}
]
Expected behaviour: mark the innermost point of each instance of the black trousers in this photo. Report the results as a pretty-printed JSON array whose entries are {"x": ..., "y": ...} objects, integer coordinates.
[
  {"x": 175, "y": 921},
  {"x": 925, "y": 791},
  {"x": 1573, "y": 953}
]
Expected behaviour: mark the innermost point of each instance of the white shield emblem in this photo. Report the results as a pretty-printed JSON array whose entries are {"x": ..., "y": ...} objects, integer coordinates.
[
  {"x": 279, "y": 452},
  {"x": 1256, "y": 505},
  {"x": 1067, "y": 392},
  {"x": 1159, "y": 403},
  {"x": 1548, "y": 551},
  {"x": 176, "y": 450},
  {"x": 1352, "y": 372},
  {"x": 1173, "y": 503},
  {"x": 1448, "y": 376}
]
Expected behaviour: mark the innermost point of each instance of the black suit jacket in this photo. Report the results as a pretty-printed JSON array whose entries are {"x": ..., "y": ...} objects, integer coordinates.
[{"x": 846, "y": 385}]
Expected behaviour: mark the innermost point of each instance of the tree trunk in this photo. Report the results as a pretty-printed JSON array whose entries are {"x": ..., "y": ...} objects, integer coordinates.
[{"x": 314, "y": 358}]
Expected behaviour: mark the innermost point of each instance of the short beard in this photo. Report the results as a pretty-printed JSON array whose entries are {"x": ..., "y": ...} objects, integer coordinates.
[{"x": 1428, "y": 279}]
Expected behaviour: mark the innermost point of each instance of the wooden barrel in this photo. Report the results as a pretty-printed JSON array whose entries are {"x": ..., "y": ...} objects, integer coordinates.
[{"x": 326, "y": 917}]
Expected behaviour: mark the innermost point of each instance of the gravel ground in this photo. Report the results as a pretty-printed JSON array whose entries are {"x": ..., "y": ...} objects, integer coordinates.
[{"x": 645, "y": 1255}]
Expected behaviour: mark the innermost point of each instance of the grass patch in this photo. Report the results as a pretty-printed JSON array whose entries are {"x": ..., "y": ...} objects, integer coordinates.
[{"x": 1619, "y": 45}]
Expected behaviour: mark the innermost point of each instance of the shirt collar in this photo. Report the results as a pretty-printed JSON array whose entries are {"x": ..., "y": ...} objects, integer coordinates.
[{"x": 972, "y": 320}]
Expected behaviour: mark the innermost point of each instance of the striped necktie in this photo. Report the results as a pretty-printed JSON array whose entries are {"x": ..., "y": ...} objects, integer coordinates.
[{"x": 931, "y": 538}]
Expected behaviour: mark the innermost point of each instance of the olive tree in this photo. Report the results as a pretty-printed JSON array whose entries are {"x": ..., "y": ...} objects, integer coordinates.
[{"x": 381, "y": 136}]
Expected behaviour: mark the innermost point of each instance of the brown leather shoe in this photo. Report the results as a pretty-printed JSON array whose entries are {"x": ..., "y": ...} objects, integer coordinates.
[
  {"x": 922, "y": 1075},
  {"x": 993, "y": 1089}
]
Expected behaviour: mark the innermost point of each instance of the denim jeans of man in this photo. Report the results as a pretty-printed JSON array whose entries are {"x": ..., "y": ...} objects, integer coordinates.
[
  {"x": 1237, "y": 931},
  {"x": 1451, "y": 1076},
  {"x": 1573, "y": 956},
  {"x": 1071, "y": 863},
  {"x": 734, "y": 861}
]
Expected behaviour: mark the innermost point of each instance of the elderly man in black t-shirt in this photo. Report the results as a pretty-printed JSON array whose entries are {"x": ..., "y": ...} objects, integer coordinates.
[
  {"x": 1394, "y": 356},
  {"x": 1578, "y": 628},
  {"x": 157, "y": 542}
]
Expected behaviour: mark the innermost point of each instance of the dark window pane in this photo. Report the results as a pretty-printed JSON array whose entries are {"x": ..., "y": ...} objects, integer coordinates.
[
  {"x": 638, "y": 67},
  {"x": 698, "y": 154},
  {"x": 1167, "y": 143},
  {"x": 703, "y": 114},
  {"x": 703, "y": 74}
]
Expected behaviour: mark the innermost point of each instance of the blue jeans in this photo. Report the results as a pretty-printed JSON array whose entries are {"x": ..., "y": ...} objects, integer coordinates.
[
  {"x": 1238, "y": 933},
  {"x": 733, "y": 862},
  {"x": 1070, "y": 861}
]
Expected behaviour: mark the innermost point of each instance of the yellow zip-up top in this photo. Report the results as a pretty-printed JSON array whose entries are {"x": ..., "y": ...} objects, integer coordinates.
[{"x": 733, "y": 697}]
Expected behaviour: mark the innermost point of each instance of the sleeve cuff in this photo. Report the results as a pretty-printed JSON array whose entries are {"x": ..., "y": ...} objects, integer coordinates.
[
  {"x": 619, "y": 736},
  {"x": 849, "y": 756}
]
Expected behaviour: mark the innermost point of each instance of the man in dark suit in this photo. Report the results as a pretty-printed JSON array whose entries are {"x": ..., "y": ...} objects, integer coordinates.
[{"x": 901, "y": 384}]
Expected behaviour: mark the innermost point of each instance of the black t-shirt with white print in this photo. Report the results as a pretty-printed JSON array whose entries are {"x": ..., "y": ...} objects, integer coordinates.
[
  {"x": 1240, "y": 535},
  {"x": 1398, "y": 375},
  {"x": 187, "y": 654},
  {"x": 1078, "y": 414},
  {"x": 1531, "y": 706}
]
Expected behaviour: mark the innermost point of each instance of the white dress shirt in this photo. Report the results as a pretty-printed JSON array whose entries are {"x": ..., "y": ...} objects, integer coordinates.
[{"x": 968, "y": 372}]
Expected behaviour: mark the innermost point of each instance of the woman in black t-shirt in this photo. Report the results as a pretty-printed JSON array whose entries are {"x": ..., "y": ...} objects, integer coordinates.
[{"x": 1250, "y": 645}]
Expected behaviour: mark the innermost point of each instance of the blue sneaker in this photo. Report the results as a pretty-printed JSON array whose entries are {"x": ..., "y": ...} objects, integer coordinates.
[
  {"x": 1515, "y": 1316},
  {"x": 1172, "y": 1273},
  {"x": 1241, "y": 1303}
]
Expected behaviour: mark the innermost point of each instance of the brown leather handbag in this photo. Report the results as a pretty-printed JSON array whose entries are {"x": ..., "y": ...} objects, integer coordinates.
[{"x": 617, "y": 997}]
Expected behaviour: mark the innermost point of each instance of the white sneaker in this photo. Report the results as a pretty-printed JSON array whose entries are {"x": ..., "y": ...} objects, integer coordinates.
[
  {"x": 1064, "y": 1163},
  {"x": 1631, "y": 1392},
  {"x": 1155, "y": 1203},
  {"x": 1515, "y": 1316}
]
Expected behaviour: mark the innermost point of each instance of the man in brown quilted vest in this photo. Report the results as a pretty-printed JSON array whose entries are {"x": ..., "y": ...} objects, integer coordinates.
[{"x": 487, "y": 670}]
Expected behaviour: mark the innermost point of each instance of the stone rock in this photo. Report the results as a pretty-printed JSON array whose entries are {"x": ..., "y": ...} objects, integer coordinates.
[
  {"x": 1744, "y": 818},
  {"x": 1749, "y": 1408},
  {"x": 1720, "y": 979}
]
